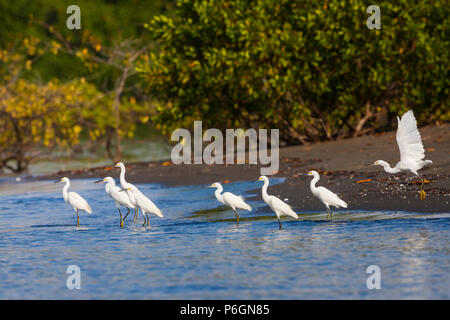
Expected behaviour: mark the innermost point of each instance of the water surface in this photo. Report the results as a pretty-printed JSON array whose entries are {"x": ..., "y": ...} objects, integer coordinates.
[{"x": 198, "y": 251}]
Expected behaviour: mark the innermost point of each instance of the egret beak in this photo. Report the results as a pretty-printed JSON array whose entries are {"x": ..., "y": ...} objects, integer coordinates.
[
  {"x": 125, "y": 189},
  {"x": 116, "y": 165},
  {"x": 99, "y": 181},
  {"x": 211, "y": 186},
  {"x": 57, "y": 181}
]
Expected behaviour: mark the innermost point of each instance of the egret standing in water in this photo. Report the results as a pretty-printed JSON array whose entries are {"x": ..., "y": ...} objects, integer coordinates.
[
  {"x": 231, "y": 200},
  {"x": 142, "y": 202},
  {"x": 120, "y": 198},
  {"x": 279, "y": 207},
  {"x": 74, "y": 200},
  {"x": 125, "y": 185},
  {"x": 327, "y": 197},
  {"x": 411, "y": 149}
]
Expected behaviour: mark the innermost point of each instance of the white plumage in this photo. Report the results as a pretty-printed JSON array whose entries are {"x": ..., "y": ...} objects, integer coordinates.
[
  {"x": 145, "y": 204},
  {"x": 74, "y": 199},
  {"x": 231, "y": 200},
  {"x": 327, "y": 197},
  {"x": 137, "y": 198},
  {"x": 126, "y": 186},
  {"x": 411, "y": 149},
  {"x": 120, "y": 198},
  {"x": 278, "y": 206}
]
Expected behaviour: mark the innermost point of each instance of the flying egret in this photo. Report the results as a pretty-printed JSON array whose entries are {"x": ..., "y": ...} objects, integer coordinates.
[
  {"x": 141, "y": 201},
  {"x": 411, "y": 149},
  {"x": 74, "y": 200},
  {"x": 120, "y": 198},
  {"x": 231, "y": 200},
  {"x": 327, "y": 197},
  {"x": 125, "y": 185},
  {"x": 278, "y": 206}
]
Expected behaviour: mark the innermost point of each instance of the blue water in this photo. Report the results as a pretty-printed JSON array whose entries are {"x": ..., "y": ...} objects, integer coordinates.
[{"x": 198, "y": 251}]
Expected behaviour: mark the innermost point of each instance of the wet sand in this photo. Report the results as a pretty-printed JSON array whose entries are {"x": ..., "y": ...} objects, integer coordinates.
[{"x": 344, "y": 165}]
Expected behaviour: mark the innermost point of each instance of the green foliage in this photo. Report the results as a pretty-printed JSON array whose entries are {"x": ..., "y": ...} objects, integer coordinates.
[
  {"x": 311, "y": 68},
  {"x": 34, "y": 116},
  {"x": 93, "y": 68},
  {"x": 103, "y": 22}
]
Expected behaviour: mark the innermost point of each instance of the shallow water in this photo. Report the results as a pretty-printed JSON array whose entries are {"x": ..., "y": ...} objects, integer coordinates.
[{"x": 198, "y": 251}]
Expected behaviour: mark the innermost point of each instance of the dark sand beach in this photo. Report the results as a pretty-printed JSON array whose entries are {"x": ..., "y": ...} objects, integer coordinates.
[{"x": 345, "y": 167}]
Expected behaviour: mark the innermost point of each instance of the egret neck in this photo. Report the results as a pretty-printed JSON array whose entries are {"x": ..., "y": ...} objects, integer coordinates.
[
  {"x": 122, "y": 177},
  {"x": 388, "y": 168},
  {"x": 264, "y": 191},
  {"x": 313, "y": 184},
  {"x": 64, "y": 191},
  {"x": 218, "y": 194},
  {"x": 108, "y": 186}
]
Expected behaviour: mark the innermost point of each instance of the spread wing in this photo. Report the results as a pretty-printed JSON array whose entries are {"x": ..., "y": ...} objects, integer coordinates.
[{"x": 408, "y": 139}]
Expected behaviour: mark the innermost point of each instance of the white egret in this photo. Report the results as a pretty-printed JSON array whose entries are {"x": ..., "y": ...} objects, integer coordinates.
[
  {"x": 141, "y": 201},
  {"x": 327, "y": 197},
  {"x": 120, "y": 198},
  {"x": 231, "y": 200},
  {"x": 125, "y": 185},
  {"x": 278, "y": 206},
  {"x": 411, "y": 149},
  {"x": 74, "y": 200}
]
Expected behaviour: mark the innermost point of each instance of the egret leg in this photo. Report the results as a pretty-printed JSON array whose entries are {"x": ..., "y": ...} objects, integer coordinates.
[
  {"x": 148, "y": 220},
  {"x": 145, "y": 220},
  {"x": 237, "y": 216},
  {"x": 121, "y": 221},
  {"x": 136, "y": 213},
  {"x": 78, "y": 220},
  {"x": 126, "y": 214},
  {"x": 422, "y": 192},
  {"x": 331, "y": 213},
  {"x": 279, "y": 222}
]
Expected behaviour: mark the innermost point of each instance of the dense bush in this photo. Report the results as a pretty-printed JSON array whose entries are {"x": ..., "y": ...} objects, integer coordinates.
[
  {"x": 37, "y": 116},
  {"x": 102, "y": 21},
  {"x": 310, "y": 68},
  {"x": 57, "y": 85}
]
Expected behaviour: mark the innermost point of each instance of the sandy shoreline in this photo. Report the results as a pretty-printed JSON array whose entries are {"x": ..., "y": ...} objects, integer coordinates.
[{"x": 344, "y": 167}]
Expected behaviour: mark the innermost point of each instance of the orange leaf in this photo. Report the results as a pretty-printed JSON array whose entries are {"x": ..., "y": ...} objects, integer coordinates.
[
  {"x": 365, "y": 180},
  {"x": 166, "y": 163}
]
